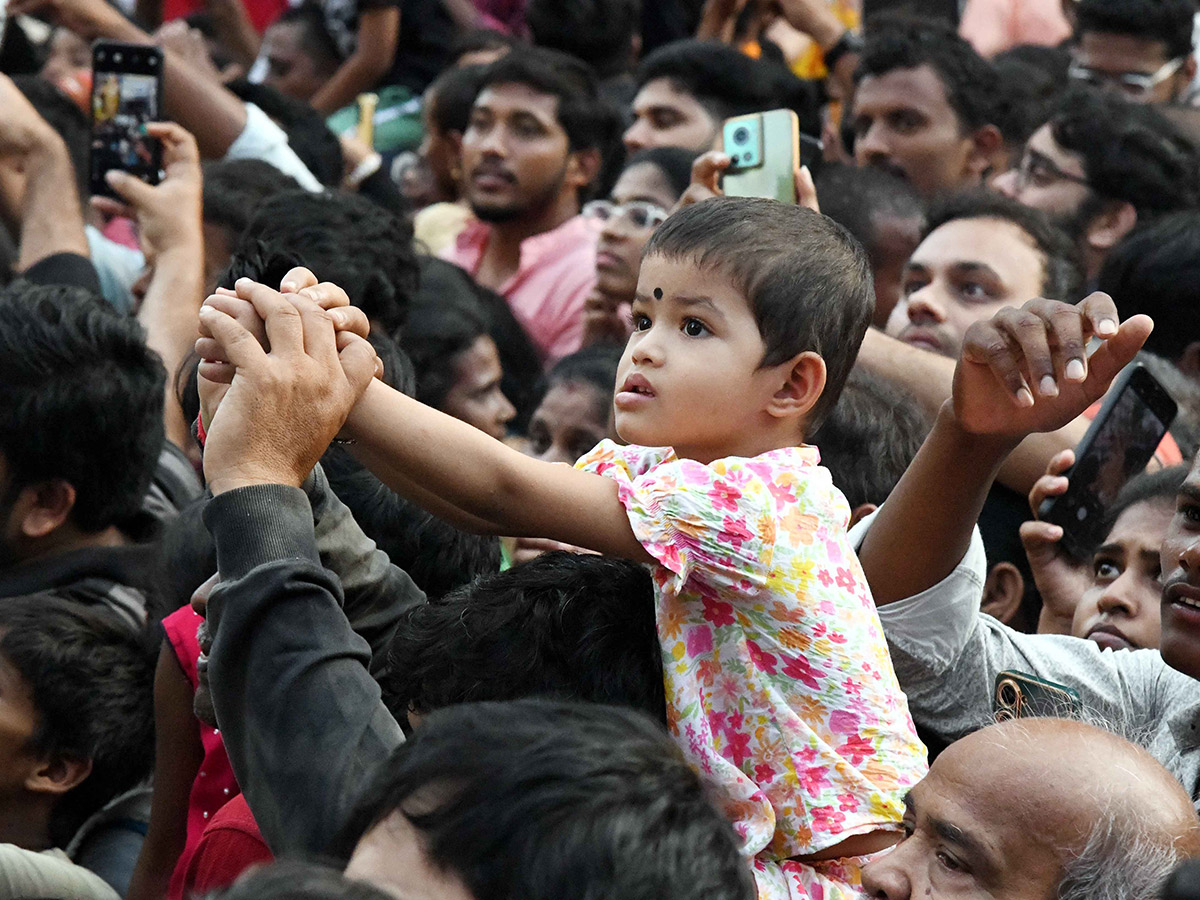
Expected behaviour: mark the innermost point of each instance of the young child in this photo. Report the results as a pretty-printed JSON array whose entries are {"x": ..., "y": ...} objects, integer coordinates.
[{"x": 780, "y": 691}]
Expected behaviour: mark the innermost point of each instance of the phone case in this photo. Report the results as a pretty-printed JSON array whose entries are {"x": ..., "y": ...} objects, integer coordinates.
[
  {"x": 1022, "y": 696},
  {"x": 772, "y": 173},
  {"x": 1080, "y": 511},
  {"x": 126, "y": 94}
]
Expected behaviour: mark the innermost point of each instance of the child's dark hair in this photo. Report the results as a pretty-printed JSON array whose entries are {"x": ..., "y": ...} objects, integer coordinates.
[
  {"x": 547, "y": 800},
  {"x": 289, "y": 879},
  {"x": 870, "y": 437},
  {"x": 808, "y": 281},
  {"x": 572, "y": 626},
  {"x": 595, "y": 365},
  {"x": 91, "y": 679}
]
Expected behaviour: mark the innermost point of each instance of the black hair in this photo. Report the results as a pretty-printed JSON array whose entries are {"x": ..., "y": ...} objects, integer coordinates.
[
  {"x": 1184, "y": 883},
  {"x": 1129, "y": 151},
  {"x": 346, "y": 239},
  {"x": 588, "y": 121},
  {"x": 481, "y": 39},
  {"x": 315, "y": 39},
  {"x": 1168, "y": 21},
  {"x": 674, "y": 163},
  {"x": 572, "y": 626},
  {"x": 858, "y": 198},
  {"x": 452, "y": 95},
  {"x": 600, "y": 32},
  {"x": 1032, "y": 79},
  {"x": 1146, "y": 487},
  {"x": 445, "y": 284},
  {"x": 233, "y": 189},
  {"x": 91, "y": 680},
  {"x": 539, "y": 799},
  {"x": 870, "y": 437},
  {"x": 1156, "y": 270},
  {"x": 722, "y": 80},
  {"x": 1063, "y": 275},
  {"x": 595, "y": 365},
  {"x": 437, "y": 334},
  {"x": 808, "y": 281},
  {"x": 289, "y": 879},
  {"x": 970, "y": 81},
  {"x": 308, "y": 135},
  {"x": 66, "y": 118},
  {"x": 81, "y": 399}
]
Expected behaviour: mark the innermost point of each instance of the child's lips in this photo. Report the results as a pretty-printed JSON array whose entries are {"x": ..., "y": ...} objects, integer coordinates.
[{"x": 634, "y": 393}]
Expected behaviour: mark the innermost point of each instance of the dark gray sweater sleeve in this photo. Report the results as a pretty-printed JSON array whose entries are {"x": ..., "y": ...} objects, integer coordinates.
[{"x": 302, "y": 717}]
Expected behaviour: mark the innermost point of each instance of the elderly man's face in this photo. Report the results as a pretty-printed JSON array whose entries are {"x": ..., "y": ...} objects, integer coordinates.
[{"x": 1180, "y": 640}]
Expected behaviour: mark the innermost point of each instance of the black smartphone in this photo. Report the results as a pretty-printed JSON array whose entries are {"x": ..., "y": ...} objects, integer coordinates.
[
  {"x": 1019, "y": 695},
  {"x": 1118, "y": 444},
  {"x": 126, "y": 94}
]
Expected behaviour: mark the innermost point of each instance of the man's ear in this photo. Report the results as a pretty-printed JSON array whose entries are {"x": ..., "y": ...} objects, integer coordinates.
[
  {"x": 861, "y": 512},
  {"x": 57, "y": 776},
  {"x": 1112, "y": 223},
  {"x": 42, "y": 508},
  {"x": 1003, "y": 592},
  {"x": 987, "y": 146},
  {"x": 582, "y": 167},
  {"x": 1189, "y": 361},
  {"x": 803, "y": 384}
]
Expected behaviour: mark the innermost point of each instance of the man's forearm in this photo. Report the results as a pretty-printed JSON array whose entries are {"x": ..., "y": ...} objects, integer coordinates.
[
  {"x": 51, "y": 217},
  {"x": 923, "y": 530},
  {"x": 930, "y": 379}
]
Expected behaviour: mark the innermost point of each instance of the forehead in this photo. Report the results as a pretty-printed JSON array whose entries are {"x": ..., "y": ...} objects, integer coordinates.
[
  {"x": 684, "y": 278},
  {"x": 1143, "y": 525},
  {"x": 643, "y": 182},
  {"x": 993, "y": 242},
  {"x": 919, "y": 88},
  {"x": 1043, "y": 142},
  {"x": 510, "y": 98},
  {"x": 574, "y": 404},
  {"x": 663, "y": 92},
  {"x": 479, "y": 363},
  {"x": 1120, "y": 52}
]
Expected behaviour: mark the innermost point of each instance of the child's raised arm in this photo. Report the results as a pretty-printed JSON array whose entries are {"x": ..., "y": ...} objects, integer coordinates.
[
  {"x": 286, "y": 403},
  {"x": 1024, "y": 371}
]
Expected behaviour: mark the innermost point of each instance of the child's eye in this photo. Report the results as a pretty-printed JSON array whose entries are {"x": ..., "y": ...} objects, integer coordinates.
[
  {"x": 640, "y": 322},
  {"x": 694, "y": 328}
]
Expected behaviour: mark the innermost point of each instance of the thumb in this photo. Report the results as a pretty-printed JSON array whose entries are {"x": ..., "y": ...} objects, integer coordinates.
[
  {"x": 132, "y": 190},
  {"x": 806, "y": 190},
  {"x": 1118, "y": 351},
  {"x": 358, "y": 361}
]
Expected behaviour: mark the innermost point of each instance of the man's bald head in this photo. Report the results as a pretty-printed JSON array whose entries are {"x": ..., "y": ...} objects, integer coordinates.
[{"x": 1039, "y": 808}]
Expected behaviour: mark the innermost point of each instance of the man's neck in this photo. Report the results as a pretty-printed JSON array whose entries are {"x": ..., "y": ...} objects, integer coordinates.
[
  {"x": 26, "y": 825},
  {"x": 502, "y": 255},
  {"x": 66, "y": 539}
]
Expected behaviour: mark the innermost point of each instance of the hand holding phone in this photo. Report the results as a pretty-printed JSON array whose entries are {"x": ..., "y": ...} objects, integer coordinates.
[
  {"x": 126, "y": 97},
  {"x": 764, "y": 153}
]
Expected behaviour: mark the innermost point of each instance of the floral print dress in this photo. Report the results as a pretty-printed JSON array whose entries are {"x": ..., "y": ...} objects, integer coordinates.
[{"x": 779, "y": 686}]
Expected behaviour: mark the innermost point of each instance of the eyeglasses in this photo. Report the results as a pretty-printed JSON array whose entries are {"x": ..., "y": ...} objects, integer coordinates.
[
  {"x": 1137, "y": 85},
  {"x": 1041, "y": 171},
  {"x": 640, "y": 214}
]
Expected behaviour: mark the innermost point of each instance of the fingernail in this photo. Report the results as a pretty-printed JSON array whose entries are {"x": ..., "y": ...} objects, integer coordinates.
[
  {"x": 288, "y": 287},
  {"x": 112, "y": 176},
  {"x": 1048, "y": 387},
  {"x": 1075, "y": 370},
  {"x": 1024, "y": 398},
  {"x": 1106, "y": 328}
]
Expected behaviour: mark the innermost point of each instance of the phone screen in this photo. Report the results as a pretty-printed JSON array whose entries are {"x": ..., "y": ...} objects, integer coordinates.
[
  {"x": 125, "y": 96},
  {"x": 1119, "y": 447}
]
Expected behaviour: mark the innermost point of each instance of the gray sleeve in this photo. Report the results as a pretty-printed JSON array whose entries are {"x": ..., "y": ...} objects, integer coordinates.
[{"x": 302, "y": 717}]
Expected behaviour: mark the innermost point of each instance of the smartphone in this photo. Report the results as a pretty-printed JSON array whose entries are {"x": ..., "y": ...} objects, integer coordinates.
[
  {"x": 1022, "y": 696},
  {"x": 126, "y": 94},
  {"x": 1119, "y": 443},
  {"x": 765, "y": 153}
]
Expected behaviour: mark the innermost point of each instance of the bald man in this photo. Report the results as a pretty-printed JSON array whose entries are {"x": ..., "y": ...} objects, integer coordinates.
[{"x": 1008, "y": 811}]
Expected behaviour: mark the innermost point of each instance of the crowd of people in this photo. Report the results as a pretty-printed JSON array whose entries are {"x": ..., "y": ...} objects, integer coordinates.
[{"x": 431, "y": 485}]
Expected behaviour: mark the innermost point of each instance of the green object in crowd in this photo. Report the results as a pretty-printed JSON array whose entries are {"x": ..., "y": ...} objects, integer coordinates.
[{"x": 397, "y": 120}]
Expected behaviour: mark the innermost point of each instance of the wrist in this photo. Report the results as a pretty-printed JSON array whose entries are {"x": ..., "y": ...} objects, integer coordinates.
[
  {"x": 237, "y": 478},
  {"x": 985, "y": 448}
]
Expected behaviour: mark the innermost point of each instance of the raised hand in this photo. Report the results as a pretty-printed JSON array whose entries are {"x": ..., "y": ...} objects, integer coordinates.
[
  {"x": 1026, "y": 369},
  {"x": 706, "y": 182},
  {"x": 1060, "y": 579},
  {"x": 284, "y": 405}
]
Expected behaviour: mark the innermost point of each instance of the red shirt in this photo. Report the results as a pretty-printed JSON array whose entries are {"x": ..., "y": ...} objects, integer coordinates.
[
  {"x": 261, "y": 12},
  {"x": 230, "y": 845}
]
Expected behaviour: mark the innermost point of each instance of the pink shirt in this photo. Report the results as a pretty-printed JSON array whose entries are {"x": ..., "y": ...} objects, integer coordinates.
[
  {"x": 554, "y": 277},
  {"x": 993, "y": 26}
]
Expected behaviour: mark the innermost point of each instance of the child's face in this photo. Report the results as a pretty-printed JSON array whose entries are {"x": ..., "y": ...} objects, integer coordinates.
[{"x": 689, "y": 377}]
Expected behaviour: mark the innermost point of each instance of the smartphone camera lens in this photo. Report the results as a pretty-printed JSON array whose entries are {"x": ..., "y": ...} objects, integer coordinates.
[
  {"x": 741, "y": 135},
  {"x": 117, "y": 57}
]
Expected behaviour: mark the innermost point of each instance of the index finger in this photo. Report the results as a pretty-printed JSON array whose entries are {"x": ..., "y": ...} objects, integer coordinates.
[
  {"x": 297, "y": 279},
  {"x": 178, "y": 143},
  {"x": 708, "y": 169}
]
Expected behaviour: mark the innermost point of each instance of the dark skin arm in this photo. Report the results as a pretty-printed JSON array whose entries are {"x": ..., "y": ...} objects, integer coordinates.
[{"x": 378, "y": 32}]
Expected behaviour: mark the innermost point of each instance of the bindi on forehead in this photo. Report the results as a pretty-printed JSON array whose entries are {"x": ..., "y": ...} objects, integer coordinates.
[{"x": 658, "y": 293}]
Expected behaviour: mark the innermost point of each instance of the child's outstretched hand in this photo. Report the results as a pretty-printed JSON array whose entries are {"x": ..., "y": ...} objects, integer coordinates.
[
  {"x": 1060, "y": 579},
  {"x": 1026, "y": 369}
]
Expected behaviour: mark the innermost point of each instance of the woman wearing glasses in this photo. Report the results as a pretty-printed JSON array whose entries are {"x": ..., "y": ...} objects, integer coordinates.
[{"x": 650, "y": 184}]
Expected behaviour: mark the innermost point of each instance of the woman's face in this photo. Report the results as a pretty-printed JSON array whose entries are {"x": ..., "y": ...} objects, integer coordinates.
[
  {"x": 619, "y": 252},
  {"x": 1121, "y": 608},
  {"x": 476, "y": 397},
  {"x": 572, "y": 419}
]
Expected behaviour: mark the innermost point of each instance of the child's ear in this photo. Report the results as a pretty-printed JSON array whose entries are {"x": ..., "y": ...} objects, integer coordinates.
[
  {"x": 804, "y": 382},
  {"x": 57, "y": 776}
]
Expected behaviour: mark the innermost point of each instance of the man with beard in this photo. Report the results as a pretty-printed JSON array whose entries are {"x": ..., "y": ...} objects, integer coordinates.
[
  {"x": 927, "y": 106},
  {"x": 531, "y": 150},
  {"x": 1102, "y": 165}
]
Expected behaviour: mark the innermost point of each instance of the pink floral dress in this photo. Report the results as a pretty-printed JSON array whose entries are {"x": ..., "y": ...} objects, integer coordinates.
[{"x": 779, "y": 685}]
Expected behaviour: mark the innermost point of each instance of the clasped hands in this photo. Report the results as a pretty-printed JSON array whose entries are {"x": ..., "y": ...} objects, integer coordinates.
[{"x": 280, "y": 372}]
